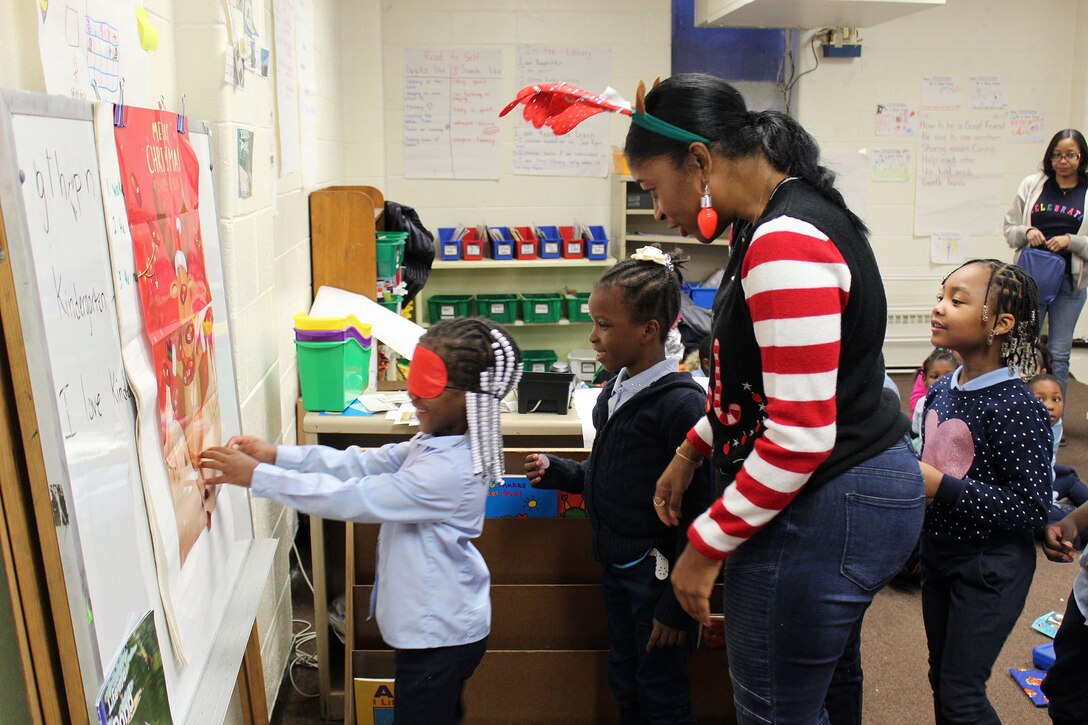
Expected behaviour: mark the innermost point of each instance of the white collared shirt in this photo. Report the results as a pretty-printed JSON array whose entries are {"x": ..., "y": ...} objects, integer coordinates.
[{"x": 627, "y": 387}]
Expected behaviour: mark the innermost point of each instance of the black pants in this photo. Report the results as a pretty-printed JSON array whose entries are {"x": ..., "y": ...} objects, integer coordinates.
[
  {"x": 650, "y": 687},
  {"x": 429, "y": 682},
  {"x": 1066, "y": 683},
  {"x": 972, "y": 595}
]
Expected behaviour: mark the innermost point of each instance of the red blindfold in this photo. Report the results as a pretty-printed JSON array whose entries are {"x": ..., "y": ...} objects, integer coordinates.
[{"x": 427, "y": 376}]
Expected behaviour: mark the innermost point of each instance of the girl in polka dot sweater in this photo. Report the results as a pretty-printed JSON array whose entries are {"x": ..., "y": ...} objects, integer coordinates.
[{"x": 986, "y": 444}]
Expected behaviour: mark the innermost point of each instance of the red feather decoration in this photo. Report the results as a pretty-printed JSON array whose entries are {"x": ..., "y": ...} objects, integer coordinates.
[{"x": 560, "y": 106}]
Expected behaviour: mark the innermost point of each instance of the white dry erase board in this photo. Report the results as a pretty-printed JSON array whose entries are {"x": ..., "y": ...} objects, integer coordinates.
[{"x": 59, "y": 206}]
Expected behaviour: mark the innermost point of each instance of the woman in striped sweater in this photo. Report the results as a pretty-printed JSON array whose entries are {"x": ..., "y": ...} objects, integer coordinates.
[{"x": 821, "y": 499}]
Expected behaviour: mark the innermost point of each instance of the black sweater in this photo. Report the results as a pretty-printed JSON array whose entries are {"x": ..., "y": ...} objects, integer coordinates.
[{"x": 630, "y": 452}]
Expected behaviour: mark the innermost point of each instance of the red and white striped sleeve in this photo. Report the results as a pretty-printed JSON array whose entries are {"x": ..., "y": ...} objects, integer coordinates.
[{"x": 796, "y": 285}]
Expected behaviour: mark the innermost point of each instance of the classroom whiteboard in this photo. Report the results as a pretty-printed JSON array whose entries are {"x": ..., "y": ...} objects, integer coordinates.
[{"x": 54, "y": 205}]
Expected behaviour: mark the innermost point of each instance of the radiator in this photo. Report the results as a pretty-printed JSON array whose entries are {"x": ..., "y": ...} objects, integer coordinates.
[{"x": 906, "y": 342}]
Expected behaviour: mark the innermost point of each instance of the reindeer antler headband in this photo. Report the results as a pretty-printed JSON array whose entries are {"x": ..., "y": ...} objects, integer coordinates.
[{"x": 562, "y": 106}]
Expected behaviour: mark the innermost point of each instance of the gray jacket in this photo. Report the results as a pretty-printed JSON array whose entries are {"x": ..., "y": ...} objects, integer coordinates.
[{"x": 1018, "y": 221}]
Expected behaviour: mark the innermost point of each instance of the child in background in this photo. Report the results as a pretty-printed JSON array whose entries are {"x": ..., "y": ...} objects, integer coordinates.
[
  {"x": 641, "y": 417},
  {"x": 1066, "y": 483},
  {"x": 432, "y": 586},
  {"x": 1064, "y": 683},
  {"x": 986, "y": 449},
  {"x": 939, "y": 363},
  {"x": 703, "y": 371}
]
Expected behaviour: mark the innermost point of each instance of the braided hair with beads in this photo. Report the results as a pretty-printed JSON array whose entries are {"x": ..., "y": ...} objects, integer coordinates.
[
  {"x": 1015, "y": 293},
  {"x": 482, "y": 359}
]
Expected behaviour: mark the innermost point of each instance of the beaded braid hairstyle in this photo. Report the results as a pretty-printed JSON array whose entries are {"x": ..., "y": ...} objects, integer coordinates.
[
  {"x": 651, "y": 289},
  {"x": 482, "y": 359},
  {"x": 1014, "y": 292}
]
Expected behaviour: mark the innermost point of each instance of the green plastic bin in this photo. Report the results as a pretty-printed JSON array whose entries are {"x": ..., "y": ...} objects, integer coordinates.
[
  {"x": 536, "y": 307},
  {"x": 497, "y": 307},
  {"x": 392, "y": 304},
  {"x": 447, "y": 307},
  {"x": 332, "y": 373},
  {"x": 578, "y": 307},
  {"x": 538, "y": 361},
  {"x": 390, "y": 252}
]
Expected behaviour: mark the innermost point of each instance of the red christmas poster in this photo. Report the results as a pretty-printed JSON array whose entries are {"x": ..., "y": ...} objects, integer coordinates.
[{"x": 160, "y": 176}]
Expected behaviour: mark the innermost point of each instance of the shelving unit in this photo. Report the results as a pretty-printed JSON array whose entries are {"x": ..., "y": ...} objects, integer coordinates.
[
  {"x": 512, "y": 276},
  {"x": 636, "y": 227}
]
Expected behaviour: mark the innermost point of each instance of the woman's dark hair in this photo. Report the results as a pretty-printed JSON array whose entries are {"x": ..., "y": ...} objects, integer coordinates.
[
  {"x": 1082, "y": 146},
  {"x": 939, "y": 354},
  {"x": 712, "y": 108},
  {"x": 1016, "y": 293},
  {"x": 464, "y": 344},
  {"x": 651, "y": 291}
]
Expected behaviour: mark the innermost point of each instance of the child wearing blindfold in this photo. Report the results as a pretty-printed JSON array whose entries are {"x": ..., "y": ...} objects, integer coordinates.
[{"x": 432, "y": 587}]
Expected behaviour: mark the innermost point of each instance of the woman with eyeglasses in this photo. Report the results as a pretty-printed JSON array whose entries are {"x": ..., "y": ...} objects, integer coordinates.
[{"x": 1048, "y": 213}]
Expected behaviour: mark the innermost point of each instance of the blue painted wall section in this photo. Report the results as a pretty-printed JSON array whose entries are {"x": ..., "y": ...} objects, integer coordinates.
[{"x": 735, "y": 54}]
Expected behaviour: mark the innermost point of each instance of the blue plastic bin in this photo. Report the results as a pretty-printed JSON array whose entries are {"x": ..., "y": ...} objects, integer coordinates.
[
  {"x": 448, "y": 247},
  {"x": 701, "y": 296},
  {"x": 597, "y": 243},
  {"x": 550, "y": 245},
  {"x": 504, "y": 247}
]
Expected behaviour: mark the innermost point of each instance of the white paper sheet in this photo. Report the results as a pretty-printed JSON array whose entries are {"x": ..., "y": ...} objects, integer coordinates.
[
  {"x": 92, "y": 44},
  {"x": 389, "y": 327}
]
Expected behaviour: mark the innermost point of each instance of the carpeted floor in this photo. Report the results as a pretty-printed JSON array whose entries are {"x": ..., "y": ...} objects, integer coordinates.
[{"x": 893, "y": 639}]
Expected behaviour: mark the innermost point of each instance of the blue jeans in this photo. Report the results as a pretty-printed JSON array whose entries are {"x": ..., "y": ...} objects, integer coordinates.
[
  {"x": 1062, "y": 314},
  {"x": 650, "y": 687},
  {"x": 796, "y": 592}
]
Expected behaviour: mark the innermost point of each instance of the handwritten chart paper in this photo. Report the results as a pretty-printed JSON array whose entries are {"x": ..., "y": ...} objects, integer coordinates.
[
  {"x": 286, "y": 85},
  {"x": 307, "y": 90},
  {"x": 66, "y": 228},
  {"x": 959, "y": 173},
  {"x": 452, "y": 100},
  {"x": 92, "y": 44},
  {"x": 583, "y": 151},
  {"x": 1027, "y": 126}
]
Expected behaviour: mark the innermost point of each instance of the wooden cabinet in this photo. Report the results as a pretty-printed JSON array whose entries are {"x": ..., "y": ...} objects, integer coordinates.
[
  {"x": 344, "y": 221},
  {"x": 634, "y": 226},
  {"x": 547, "y": 657}
]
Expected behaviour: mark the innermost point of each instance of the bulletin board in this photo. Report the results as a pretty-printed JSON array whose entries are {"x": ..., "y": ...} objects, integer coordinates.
[{"x": 78, "y": 413}]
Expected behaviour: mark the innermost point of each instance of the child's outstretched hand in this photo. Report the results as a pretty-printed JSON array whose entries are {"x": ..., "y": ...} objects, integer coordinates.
[
  {"x": 261, "y": 450},
  {"x": 1058, "y": 541},
  {"x": 231, "y": 465},
  {"x": 535, "y": 465}
]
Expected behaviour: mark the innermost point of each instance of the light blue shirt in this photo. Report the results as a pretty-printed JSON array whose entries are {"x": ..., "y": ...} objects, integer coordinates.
[
  {"x": 627, "y": 387},
  {"x": 985, "y": 380},
  {"x": 432, "y": 587}
]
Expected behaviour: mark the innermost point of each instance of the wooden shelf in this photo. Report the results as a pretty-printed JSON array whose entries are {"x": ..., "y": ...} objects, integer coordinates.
[
  {"x": 520, "y": 263},
  {"x": 523, "y": 323},
  {"x": 671, "y": 239},
  {"x": 643, "y": 212}
]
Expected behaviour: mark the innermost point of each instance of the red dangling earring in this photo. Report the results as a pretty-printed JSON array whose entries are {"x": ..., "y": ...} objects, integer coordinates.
[{"x": 708, "y": 218}]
